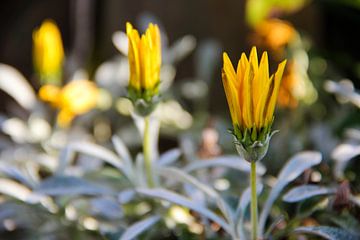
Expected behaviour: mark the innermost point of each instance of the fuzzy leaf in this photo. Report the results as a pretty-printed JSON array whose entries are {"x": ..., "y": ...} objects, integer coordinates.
[
  {"x": 301, "y": 193},
  {"x": 185, "y": 202},
  {"x": 330, "y": 233},
  {"x": 169, "y": 157},
  {"x": 68, "y": 185},
  {"x": 293, "y": 169},
  {"x": 230, "y": 161},
  {"x": 139, "y": 227}
]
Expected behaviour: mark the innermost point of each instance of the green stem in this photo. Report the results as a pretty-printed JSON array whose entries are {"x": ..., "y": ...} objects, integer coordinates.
[
  {"x": 254, "y": 210},
  {"x": 147, "y": 153}
]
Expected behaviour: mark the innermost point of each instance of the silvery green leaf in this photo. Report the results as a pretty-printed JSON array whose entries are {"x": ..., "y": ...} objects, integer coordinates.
[
  {"x": 68, "y": 185},
  {"x": 293, "y": 169},
  {"x": 168, "y": 157},
  {"x": 342, "y": 154},
  {"x": 93, "y": 150},
  {"x": 123, "y": 152},
  {"x": 19, "y": 89},
  {"x": 139, "y": 227},
  {"x": 14, "y": 189},
  {"x": 174, "y": 173},
  {"x": 106, "y": 207},
  {"x": 243, "y": 203},
  {"x": 346, "y": 222},
  {"x": 230, "y": 161},
  {"x": 139, "y": 173},
  {"x": 185, "y": 202},
  {"x": 16, "y": 174},
  {"x": 301, "y": 193},
  {"x": 180, "y": 49},
  {"x": 330, "y": 233},
  {"x": 120, "y": 41},
  {"x": 126, "y": 196}
]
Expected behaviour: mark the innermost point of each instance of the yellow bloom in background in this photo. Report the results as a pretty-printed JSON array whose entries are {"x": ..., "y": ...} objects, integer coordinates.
[
  {"x": 144, "y": 56},
  {"x": 274, "y": 33},
  {"x": 252, "y": 95},
  {"x": 48, "y": 52},
  {"x": 75, "y": 98}
]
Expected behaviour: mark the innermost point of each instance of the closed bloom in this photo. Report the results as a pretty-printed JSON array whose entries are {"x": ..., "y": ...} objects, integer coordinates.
[
  {"x": 48, "y": 52},
  {"x": 75, "y": 98},
  {"x": 252, "y": 95},
  {"x": 144, "y": 56}
]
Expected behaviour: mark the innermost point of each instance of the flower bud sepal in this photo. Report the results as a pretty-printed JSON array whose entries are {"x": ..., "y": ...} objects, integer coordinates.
[
  {"x": 144, "y": 101},
  {"x": 252, "y": 144}
]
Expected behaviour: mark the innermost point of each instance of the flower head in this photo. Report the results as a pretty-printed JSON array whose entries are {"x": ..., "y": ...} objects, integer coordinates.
[
  {"x": 252, "y": 95},
  {"x": 144, "y": 56},
  {"x": 48, "y": 52},
  {"x": 75, "y": 98}
]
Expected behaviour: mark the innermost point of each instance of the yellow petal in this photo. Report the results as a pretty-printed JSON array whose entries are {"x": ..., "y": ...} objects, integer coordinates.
[
  {"x": 247, "y": 110},
  {"x": 232, "y": 99},
  {"x": 229, "y": 70},
  {"x": 274, "y": 93}
]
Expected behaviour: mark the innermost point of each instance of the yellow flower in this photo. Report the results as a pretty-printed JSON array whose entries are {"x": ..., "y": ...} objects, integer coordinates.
[
  {"x": 144, "y": 55},
  {"x": 48, "y": 52},
  {"x": 75, "y": 98},
  {"x": 274, "y": 33},
  {"x": 251, "y": 94}
]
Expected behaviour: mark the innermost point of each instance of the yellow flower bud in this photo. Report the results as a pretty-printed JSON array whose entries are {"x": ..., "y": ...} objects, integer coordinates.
[
  {"x": 144, "y": 54},
  {"x": 252, "y": 95},
  {"x": 48, "y": 52}
]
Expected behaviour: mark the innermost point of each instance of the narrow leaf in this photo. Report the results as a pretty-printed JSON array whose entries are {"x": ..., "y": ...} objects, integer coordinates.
[
  {"x": 330, "y": 233},
  {"x": 139, "y": 227},
  {"x": 293, "y": 169},
  {"x": 301, "y": 193}
]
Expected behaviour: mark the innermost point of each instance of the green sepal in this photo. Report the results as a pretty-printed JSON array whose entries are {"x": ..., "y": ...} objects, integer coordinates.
[
  {"x": 144, "y": 100},
  {"x": 252, "y": 144}
]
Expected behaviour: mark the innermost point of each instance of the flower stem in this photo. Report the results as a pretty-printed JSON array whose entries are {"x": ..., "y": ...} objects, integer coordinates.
[
  {"x": 147, "y": 153},
  {"x": 254, "y": 210}
]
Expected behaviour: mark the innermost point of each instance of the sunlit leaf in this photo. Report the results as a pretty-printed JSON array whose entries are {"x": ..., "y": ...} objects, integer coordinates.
[
  {"x": 70, "y": 186},
  {"x": 293, "y": 169},
  {"x": 301, "y": 193},
  {"x": 185, "y": 202},
  {"x": 330, "y": 233},
  {"x": 139, "y": 227}
]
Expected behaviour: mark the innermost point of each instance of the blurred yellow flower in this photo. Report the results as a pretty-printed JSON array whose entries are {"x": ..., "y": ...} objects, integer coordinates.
[
  {"x": 75, "y": 98},
  {"x": 144, "y": 55},
  {"x": 251, "y": 94},
  {"x": 48, "y": 52},
  {"x": 274, "y": 33}
]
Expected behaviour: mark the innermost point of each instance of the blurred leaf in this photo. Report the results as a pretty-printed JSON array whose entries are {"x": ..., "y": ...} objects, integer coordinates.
[
  {"x": 230, "y": 161},
  {"x": 301, "y": 193},
  {"x": 106, "y": 207},
  {"x": 126, "y": 196},
  {"x": 14, "y": 83},
  {"x": 15, "y": 173},
  {"x": 185, "y": 202},
  {"x": 243, "y": 203},
  {"x": 293, "y": 169},
  {"x": 342, "y": 154},
  {"x": 330, "y": 233},
  {"x": 174, "y": 173},
  {"x": 347, "y": 222},
  {"x": 169, "y": 157},
  {"x": 139, "y": 227},
  {"x": 123, "y": 152},
  {"x": 14, "y": 189},
  {"x": 68, "y": 185},
  {"x": 120, "y": 41},
  {"x": 140, "y": 174},
  {"x": 180, "y": 49},
  {"x": 93, "y": 150}
]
